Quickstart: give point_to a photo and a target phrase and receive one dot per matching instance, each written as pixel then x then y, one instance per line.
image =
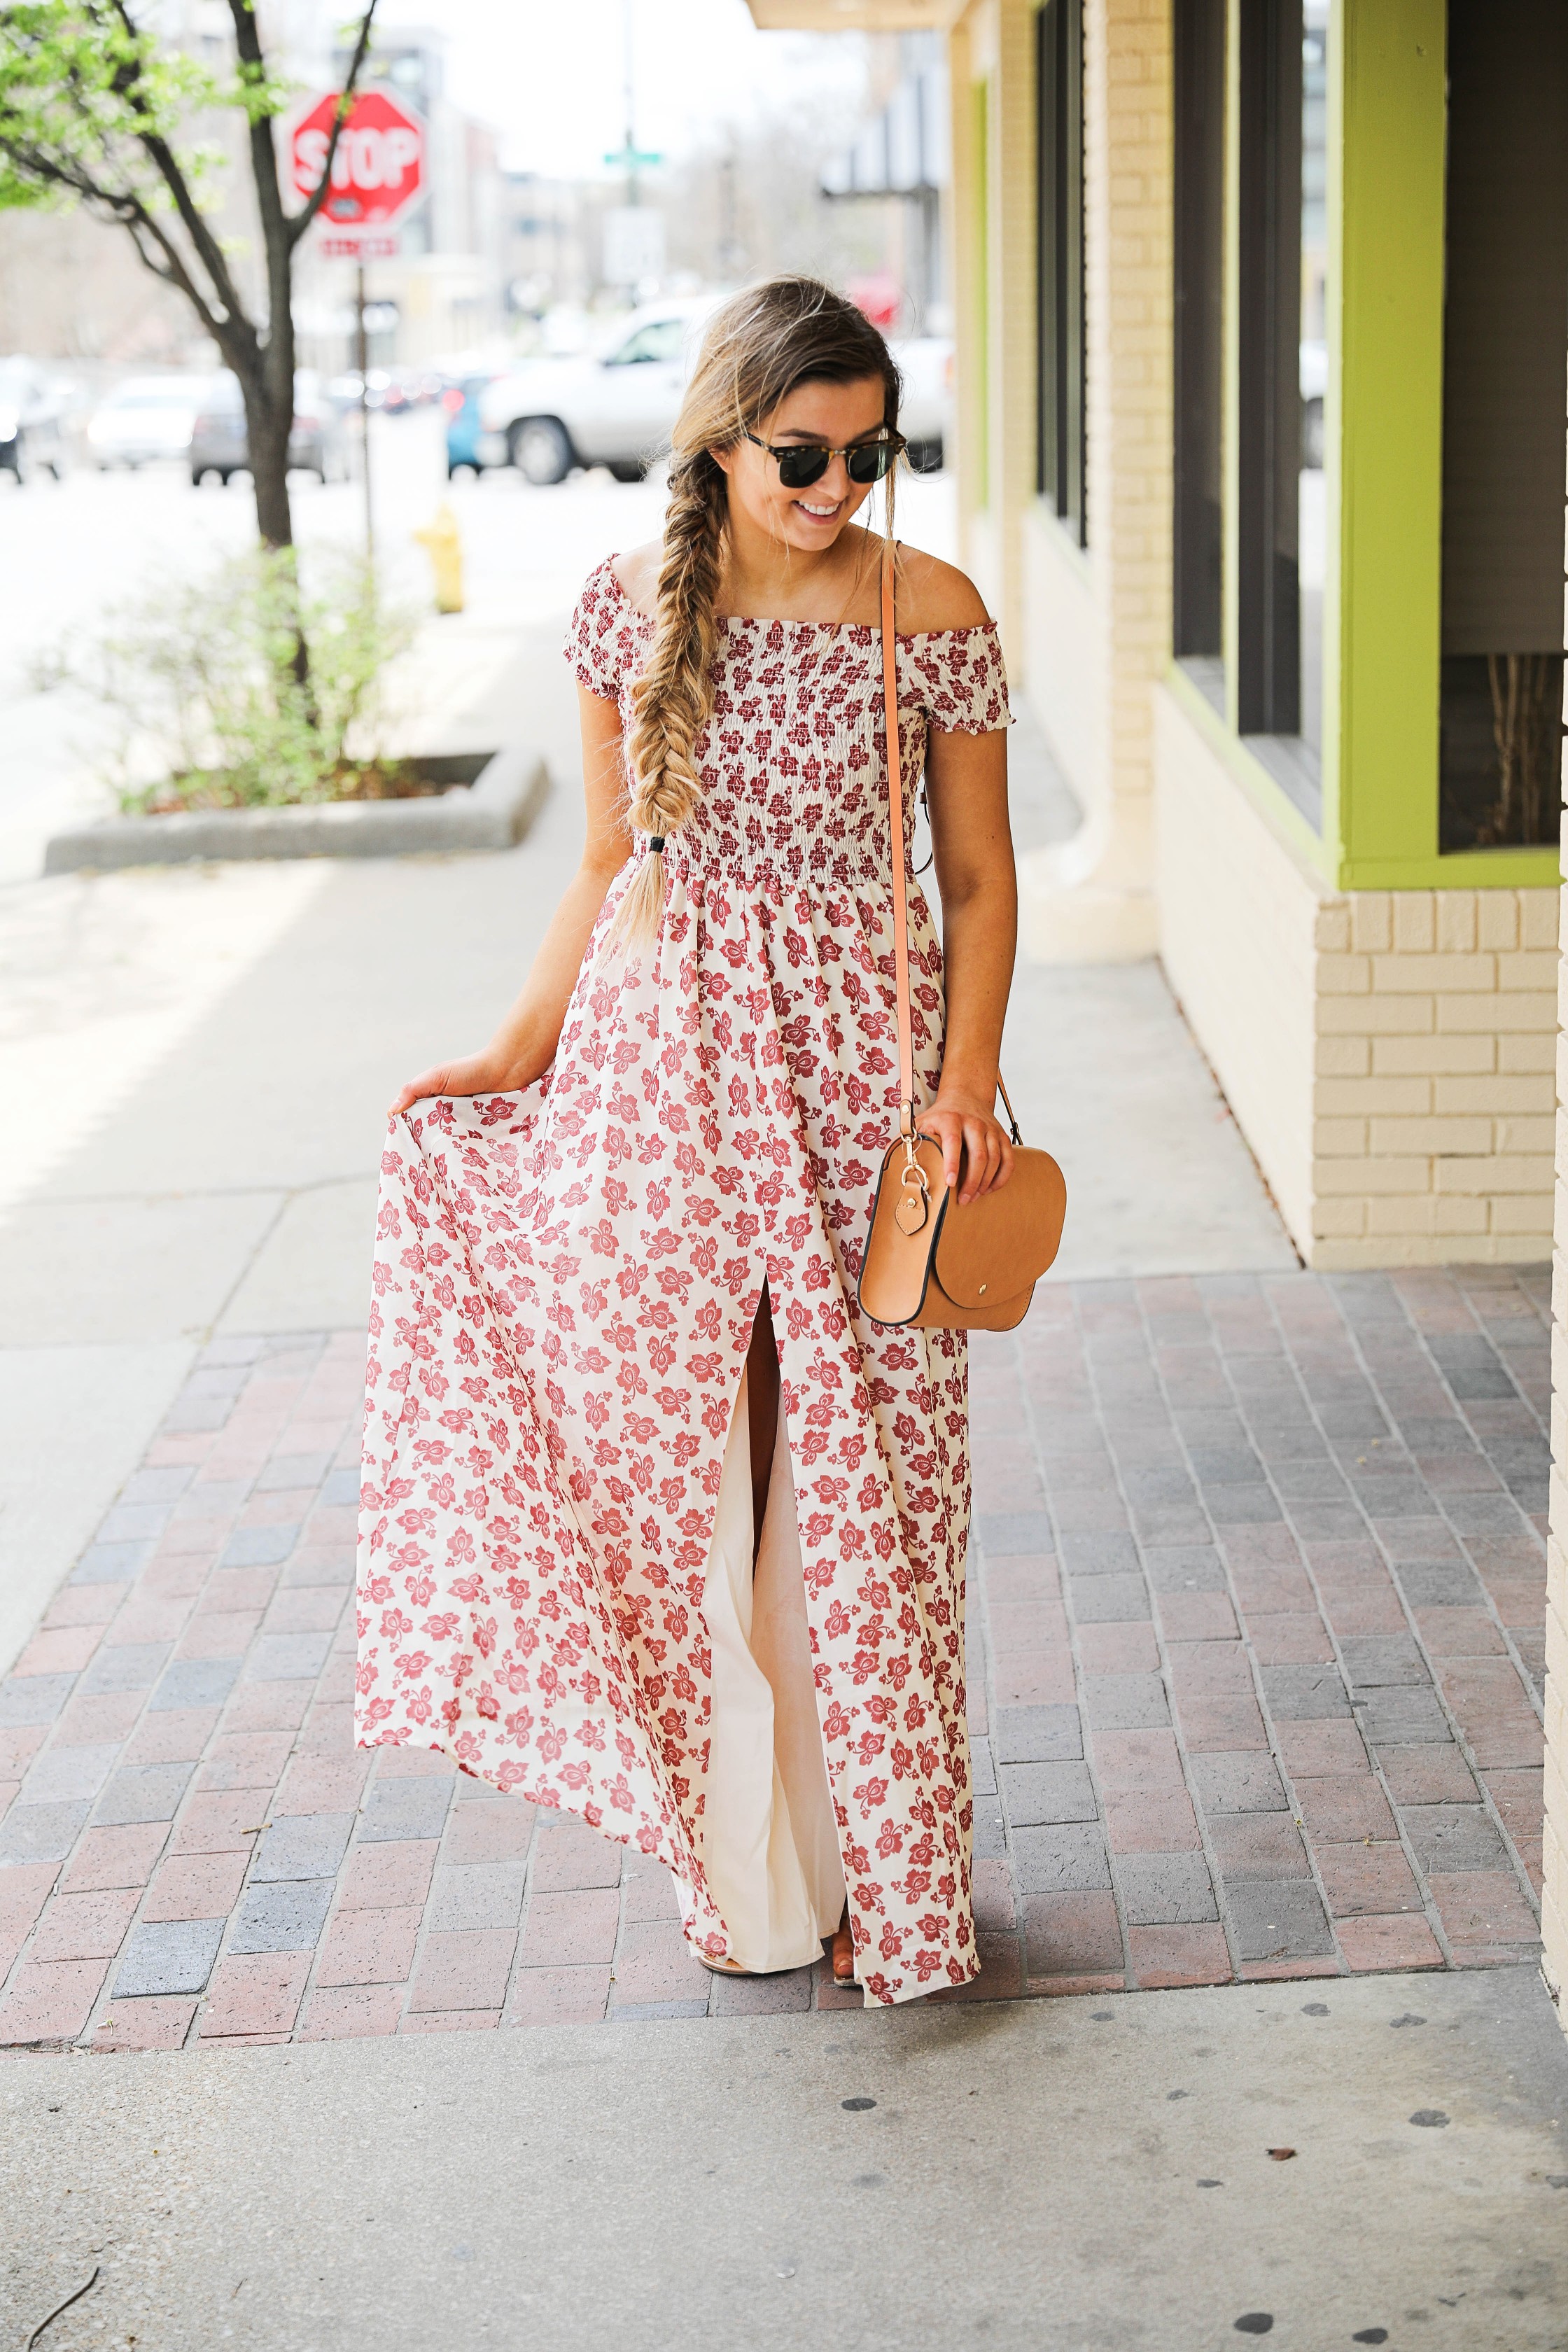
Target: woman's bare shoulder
pixel 935 595
pixel 638 573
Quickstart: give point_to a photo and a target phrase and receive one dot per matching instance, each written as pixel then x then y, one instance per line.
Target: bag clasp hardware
pixel 914 1200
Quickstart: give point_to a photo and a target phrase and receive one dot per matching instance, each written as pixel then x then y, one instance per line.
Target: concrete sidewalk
pixel 1378 2162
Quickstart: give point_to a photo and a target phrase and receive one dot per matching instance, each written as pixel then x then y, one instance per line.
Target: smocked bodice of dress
pixel 793 758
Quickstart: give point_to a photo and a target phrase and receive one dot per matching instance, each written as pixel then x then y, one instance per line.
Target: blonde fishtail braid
pixel 671 699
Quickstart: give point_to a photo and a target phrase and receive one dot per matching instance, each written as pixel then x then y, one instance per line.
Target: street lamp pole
pixel 631 148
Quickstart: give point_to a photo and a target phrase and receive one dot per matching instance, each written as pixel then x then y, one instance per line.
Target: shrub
pixel 248 687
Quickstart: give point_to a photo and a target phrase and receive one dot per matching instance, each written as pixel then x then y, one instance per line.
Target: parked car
pixel 404 389
pixel 925 415
pixel 616 408
pixel 32 421
pixel 145 418
pixel 469 444
pixel 613 408
pixel 220 443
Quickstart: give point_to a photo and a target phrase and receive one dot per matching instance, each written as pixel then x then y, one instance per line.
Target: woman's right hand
pixel 477 1074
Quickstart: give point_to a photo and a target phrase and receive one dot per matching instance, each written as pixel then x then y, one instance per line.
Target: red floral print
pixel 565 1284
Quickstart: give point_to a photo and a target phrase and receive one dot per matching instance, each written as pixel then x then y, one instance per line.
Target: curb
pixel 507 791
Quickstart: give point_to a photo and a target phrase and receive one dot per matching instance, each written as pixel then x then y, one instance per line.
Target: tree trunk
pixel 272 514
pixel 268 428
pixel 269 415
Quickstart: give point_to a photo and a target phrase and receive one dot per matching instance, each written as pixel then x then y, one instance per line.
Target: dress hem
pixel 550 1802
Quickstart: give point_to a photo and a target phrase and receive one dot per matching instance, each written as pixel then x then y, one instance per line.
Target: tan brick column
pixel 990 56
pixel 1012 306
pixel 964 208
pixel 1554 1857
pixel 1554 1834
pixel 1093 899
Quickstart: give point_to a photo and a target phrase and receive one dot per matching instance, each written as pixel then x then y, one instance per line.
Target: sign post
pixel 378 175
pixel 361 361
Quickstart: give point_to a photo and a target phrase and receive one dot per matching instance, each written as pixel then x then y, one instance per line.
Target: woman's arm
pixel 524 1045
pixel 966 784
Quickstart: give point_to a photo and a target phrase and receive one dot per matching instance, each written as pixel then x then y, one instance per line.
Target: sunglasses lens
pixel 870 462
pixel 798 468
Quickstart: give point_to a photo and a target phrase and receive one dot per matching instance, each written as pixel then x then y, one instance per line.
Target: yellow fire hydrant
pixel 443 542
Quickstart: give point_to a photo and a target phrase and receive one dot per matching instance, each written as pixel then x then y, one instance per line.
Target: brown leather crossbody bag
pixel 928 1261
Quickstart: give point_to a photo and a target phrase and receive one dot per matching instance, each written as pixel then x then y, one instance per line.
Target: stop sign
pixel 378 165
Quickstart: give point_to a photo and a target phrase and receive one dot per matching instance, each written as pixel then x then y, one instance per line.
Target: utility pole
pixel 629 89
pixel 634 235
pixel 362 343
pixel 729 255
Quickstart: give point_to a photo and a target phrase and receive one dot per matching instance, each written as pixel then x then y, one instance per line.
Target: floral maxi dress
pixel 564 1291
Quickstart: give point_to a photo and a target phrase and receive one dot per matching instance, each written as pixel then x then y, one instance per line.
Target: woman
pixel 658 1527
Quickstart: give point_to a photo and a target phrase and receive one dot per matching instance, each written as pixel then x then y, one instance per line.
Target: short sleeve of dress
pixel 595 642
pixel 964 681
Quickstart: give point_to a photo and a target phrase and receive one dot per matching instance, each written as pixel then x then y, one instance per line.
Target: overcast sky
pixel 548 73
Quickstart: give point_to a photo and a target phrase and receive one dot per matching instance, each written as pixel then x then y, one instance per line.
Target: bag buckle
pixel 914 1195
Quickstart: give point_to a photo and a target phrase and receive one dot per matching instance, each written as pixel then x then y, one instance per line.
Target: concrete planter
pixel 506 790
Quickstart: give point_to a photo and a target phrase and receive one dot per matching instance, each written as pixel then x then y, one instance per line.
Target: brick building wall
pixel 1096 631
pixel 1389 1055
pixel 1435 1092
pixel 1554 1836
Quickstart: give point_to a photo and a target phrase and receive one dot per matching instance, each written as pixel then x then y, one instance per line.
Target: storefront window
pixel 1058 90
pixel 1282 376
pixel 1505 389
pixel 1313 366
pixel 1199 65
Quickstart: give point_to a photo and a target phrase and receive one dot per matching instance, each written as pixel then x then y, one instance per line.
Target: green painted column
pixel 1392 105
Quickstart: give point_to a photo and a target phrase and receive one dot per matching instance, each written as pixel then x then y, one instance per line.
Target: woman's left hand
pixel 976 1151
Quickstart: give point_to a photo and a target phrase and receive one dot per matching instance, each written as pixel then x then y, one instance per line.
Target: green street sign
pixel 624 156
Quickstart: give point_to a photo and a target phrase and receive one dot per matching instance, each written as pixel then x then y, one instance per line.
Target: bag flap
pixel 999 1244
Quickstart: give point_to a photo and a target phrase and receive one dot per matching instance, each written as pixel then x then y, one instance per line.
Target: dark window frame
pixel 1268 392
pixel 1199 31
pixel 1060 444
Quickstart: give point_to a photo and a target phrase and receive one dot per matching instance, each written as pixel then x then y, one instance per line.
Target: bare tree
pixel 94 111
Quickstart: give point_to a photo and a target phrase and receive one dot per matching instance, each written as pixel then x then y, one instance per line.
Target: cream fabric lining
pixel 769 1842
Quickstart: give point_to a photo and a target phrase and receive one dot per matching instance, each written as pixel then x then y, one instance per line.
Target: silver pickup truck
pixel 616 407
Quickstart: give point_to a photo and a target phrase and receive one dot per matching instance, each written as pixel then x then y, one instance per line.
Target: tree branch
pixel 164 158
pixel 263 153
pixel 278 357
pixel 301 221
pixel 130 214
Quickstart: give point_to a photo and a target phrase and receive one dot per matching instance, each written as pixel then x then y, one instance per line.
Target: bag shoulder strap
pixel 901 884
pixel 896 839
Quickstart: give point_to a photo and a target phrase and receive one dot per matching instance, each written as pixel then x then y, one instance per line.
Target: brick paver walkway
pixel 1256 1654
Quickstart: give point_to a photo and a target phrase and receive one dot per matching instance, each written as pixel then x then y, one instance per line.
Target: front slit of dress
pixel 769 1842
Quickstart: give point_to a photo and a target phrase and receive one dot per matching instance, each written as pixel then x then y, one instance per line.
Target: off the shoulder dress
pixel 556 1555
